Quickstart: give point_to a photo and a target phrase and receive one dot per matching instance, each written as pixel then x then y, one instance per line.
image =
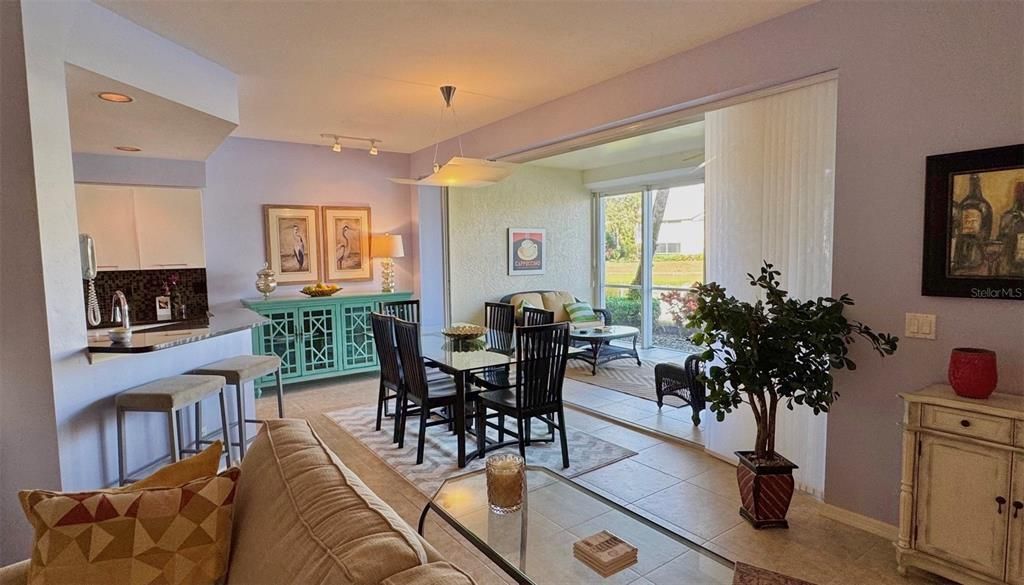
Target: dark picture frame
pixel 951 268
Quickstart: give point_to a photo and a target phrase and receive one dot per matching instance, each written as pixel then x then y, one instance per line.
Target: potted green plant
pixel 775 352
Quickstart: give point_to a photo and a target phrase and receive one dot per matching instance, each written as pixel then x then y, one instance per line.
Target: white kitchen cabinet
pixel 962 490
pixel 169 224
pixel 137 227
pixel 107 213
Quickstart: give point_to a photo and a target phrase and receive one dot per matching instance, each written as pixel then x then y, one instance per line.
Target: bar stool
pixel 241 369
pixel 170 396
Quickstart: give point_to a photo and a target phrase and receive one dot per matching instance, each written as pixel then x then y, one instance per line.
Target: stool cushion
pixel 243 368
pixel 170 393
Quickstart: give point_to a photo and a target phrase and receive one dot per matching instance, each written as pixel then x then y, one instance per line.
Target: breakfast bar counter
pixel 221 320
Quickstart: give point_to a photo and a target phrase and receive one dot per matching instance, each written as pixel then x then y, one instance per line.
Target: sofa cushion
pixel 533 298
pixel 555 302
pixel 436 573
pixel 178 535
pixel 306 518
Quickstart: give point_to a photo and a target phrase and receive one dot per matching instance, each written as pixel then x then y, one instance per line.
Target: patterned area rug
pixel 622 375
pixel 586 452
pixel 750 575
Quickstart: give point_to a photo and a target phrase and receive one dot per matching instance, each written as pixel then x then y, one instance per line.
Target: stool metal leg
pixel 172 435
pixel 181 432
pixel 280 394
pixel 225 428
pixel 199 426
pixel 122 463
pixel 240 396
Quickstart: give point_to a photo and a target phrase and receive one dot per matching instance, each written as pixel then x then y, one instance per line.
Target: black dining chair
pixel 533 316
pixel 500 317
pixel 404 310
pixel 390 370
pixel 426 394
pixel 541 355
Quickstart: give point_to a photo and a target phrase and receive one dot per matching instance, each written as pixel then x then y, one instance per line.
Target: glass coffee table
pixel 534 545
pixel 601 350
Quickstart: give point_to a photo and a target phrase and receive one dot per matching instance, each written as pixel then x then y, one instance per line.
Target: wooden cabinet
pixel 107 214
pixel 962 492
pixel 318 337
pixel 169 223
pixel 142 227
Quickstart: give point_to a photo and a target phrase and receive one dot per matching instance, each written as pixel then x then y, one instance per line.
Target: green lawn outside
pixel 680 273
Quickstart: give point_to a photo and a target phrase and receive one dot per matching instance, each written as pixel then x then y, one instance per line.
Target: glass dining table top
pixel 494 348
pixel 534 545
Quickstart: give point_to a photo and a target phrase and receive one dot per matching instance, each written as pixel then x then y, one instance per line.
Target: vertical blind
pixel 770 190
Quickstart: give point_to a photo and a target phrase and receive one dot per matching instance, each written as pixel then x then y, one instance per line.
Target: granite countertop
pixel 221 320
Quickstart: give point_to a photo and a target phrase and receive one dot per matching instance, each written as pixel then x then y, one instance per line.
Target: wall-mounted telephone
pixel 87 247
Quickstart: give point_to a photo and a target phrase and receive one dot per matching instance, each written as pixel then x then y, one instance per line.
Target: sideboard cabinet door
pixel 358 350
pixel 1015 564
pixel 319 345
pixel 958 515
pixel 280 337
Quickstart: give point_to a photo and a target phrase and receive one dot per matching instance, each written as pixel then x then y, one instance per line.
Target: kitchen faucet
pixel 119 310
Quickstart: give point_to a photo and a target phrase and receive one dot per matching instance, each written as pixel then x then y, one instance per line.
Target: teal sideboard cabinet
pixel 318 337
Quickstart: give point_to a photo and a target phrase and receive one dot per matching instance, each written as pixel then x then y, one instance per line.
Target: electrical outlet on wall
pixel 920 326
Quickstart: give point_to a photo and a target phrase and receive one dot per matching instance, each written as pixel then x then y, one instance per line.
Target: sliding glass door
pixel 652 242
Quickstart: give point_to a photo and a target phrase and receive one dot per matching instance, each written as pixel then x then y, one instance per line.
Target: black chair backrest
pixel 500 317
pixel 533 316
pixel 692 367
pixel 404 310
pixel 387 355
pixel 411 357
pixel 541 354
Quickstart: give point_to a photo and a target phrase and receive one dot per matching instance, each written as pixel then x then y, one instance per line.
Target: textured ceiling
pixel 372 68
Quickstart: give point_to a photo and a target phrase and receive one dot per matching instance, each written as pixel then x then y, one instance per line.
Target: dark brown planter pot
pixel 765 490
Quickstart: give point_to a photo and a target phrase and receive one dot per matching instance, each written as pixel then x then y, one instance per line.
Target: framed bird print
pixel 346 243
pixel 292 239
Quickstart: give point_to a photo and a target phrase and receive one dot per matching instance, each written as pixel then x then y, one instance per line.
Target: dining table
pixel 461 359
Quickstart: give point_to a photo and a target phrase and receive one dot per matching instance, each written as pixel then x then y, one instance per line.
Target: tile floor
pixel 674 484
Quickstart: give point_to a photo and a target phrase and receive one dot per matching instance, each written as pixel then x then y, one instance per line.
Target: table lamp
pixel 388 247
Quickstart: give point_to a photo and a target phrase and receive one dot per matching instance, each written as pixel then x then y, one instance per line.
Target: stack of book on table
pixel 605 553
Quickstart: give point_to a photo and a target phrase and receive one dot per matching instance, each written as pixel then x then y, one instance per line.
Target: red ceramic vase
pixel 972 372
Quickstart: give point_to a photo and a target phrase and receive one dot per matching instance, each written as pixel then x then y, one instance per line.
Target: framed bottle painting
pixel 974 224
pixel 527 251
pixel 292 239
pixel 347 244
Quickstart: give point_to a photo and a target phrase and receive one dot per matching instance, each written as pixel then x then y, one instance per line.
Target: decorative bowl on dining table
pixel 463 332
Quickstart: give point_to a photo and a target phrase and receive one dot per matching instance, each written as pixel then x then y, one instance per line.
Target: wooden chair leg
pixel 529 429
pixel 481 428
pixel 225 427
pixel 565 441
pixel 381 394
pixel 501 428
pixel 172 435
pixel 404 416
pixel 122 463
pixel 424 415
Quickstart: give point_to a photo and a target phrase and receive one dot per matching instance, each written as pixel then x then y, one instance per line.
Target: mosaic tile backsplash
pixel 141 287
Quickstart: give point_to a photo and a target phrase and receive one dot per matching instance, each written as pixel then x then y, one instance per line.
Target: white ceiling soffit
pixel 680 139
pixel 669 169
pixel 373 68
pixel 160 127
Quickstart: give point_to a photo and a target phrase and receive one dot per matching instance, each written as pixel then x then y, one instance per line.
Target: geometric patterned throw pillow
pixel 173 536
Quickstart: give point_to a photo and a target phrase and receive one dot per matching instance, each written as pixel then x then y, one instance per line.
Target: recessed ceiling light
pixel 117 98
pixel 128 148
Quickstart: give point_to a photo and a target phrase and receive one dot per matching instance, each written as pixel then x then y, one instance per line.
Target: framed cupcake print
pixel 292 240
pixel 347 243
pixel 527 251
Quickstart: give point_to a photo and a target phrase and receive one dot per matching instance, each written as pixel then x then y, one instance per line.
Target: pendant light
pixel 460 171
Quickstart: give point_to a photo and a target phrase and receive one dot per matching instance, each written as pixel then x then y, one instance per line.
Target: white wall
pixel 533 197
pixel 91 37
pixel 244 174
pixel 131 170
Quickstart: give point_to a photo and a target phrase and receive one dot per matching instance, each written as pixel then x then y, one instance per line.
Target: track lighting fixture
pixel 337 138
pixel 373 148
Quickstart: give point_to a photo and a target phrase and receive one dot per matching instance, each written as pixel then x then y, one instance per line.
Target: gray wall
pixel 915 78
pixel 244 174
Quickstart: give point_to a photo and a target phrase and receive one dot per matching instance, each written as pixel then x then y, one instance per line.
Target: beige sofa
pixel 555 301
pixel 301 516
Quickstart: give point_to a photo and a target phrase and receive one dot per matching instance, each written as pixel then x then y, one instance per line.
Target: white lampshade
pixel 387 246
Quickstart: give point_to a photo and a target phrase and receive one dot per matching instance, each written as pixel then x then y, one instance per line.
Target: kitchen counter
pixel 222 320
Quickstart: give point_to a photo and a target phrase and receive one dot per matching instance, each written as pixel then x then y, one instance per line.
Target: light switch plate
pixel 920 326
